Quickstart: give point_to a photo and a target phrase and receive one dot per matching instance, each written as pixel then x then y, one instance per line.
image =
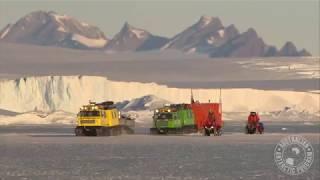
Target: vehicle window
pixel 89 113
pixel 165 116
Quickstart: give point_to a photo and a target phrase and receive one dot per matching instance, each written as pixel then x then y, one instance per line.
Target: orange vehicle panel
pixel 201 111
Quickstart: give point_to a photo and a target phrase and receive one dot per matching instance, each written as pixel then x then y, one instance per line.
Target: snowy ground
pixel 40 118
pixel 52 152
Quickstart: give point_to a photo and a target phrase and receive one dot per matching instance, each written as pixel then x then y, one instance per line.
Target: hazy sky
pixel 276 21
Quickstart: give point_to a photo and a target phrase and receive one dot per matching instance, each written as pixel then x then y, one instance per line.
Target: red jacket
pixel 253 119
pixel 210 121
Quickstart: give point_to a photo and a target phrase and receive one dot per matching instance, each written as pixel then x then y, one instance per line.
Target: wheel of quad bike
pixel 250 131
pixel 261 128
pixel 217 132
pixel 79 131
pixel 207 132
pixel 261 131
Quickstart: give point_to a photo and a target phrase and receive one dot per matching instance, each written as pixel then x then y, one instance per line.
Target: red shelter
pixel 201 111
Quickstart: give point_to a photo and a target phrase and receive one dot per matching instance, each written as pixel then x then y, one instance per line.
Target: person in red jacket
pixel 210 121
pixel 254 124
pixel 253 119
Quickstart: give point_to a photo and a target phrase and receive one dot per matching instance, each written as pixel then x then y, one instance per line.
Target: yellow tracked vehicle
pixel 102 119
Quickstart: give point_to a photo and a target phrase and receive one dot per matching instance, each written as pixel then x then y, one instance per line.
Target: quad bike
pixel 208 130
pixel 254 128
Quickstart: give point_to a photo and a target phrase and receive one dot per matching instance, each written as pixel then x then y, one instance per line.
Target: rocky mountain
pixel 289 49
pixel 153 42
pixel 304 52
pixel 247 44
pixel 52 29
pixel 131 39
pixel 204 36
pixel 208 35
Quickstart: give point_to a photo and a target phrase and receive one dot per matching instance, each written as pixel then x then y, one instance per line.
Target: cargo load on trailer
pixel 102 119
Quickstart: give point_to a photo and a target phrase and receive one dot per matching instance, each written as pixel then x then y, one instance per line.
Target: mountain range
pixel 208 36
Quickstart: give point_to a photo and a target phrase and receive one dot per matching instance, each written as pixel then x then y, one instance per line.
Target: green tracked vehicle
pixel 173 119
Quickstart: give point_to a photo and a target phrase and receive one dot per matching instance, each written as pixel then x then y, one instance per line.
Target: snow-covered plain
pixel 38 152
pixel 37 117
pixel 309 68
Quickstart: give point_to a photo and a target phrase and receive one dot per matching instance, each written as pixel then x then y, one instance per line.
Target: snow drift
pixel 38 117
pixel 68 93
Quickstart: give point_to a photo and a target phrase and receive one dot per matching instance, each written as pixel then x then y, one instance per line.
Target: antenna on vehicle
pixel 220 101
pixel 192 99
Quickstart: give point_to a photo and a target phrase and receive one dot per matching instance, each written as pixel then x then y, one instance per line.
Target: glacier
pixel 69 93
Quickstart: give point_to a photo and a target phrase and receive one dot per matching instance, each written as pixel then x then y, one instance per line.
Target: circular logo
pixel 293 155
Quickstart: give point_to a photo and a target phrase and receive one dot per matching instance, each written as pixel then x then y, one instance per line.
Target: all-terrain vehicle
pixel 254 128
pixel 173 119
pixel 102 119
pixel 253 124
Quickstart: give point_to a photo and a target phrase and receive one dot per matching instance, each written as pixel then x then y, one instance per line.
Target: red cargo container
pixel 201 111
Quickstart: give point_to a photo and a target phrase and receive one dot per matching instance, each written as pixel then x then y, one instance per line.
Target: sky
pixel 276 21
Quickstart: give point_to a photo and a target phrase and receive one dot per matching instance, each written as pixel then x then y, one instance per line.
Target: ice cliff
pixel 68 93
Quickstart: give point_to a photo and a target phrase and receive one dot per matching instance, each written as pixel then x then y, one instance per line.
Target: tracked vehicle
pixel 173 119
pixel 102 119
pixel 188 118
